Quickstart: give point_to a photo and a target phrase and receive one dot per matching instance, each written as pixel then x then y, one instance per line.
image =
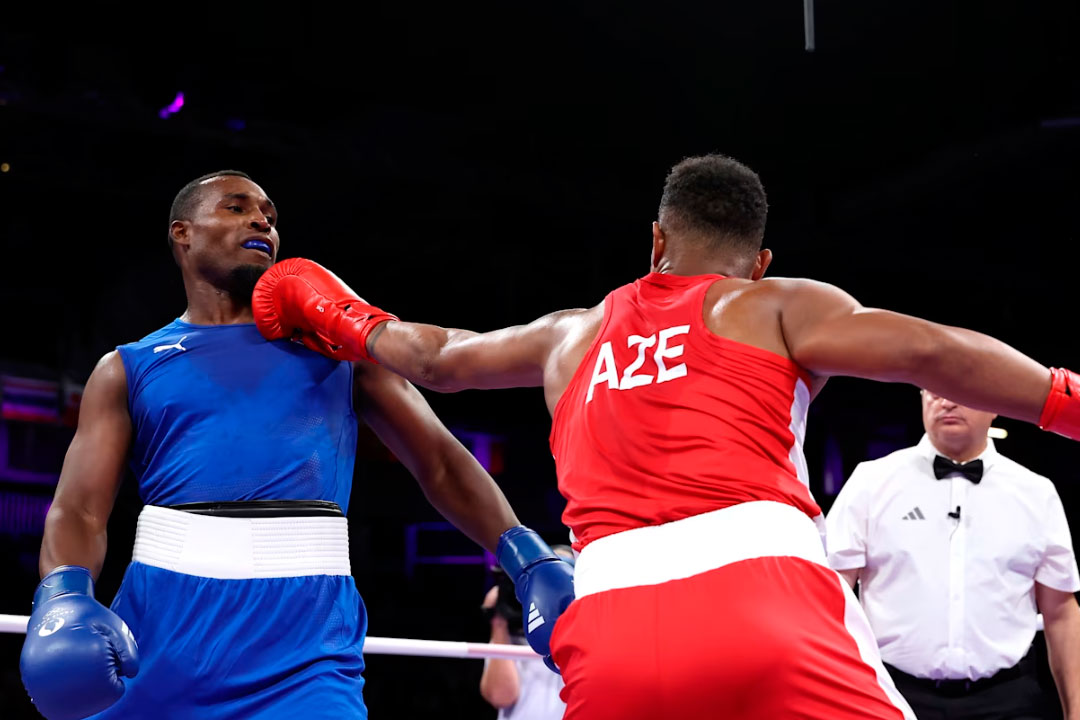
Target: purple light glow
pixel 480 444
pixel 1062 122
pixel 23 514
pixel 173 107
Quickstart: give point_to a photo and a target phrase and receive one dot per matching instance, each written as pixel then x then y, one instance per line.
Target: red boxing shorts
pixel 731 614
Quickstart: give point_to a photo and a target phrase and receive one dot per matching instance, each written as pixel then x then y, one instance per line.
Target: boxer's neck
pixel 208 305
pixel 693 261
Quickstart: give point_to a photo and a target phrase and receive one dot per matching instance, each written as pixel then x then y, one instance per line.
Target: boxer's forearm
pixel 448 474
pixel 72 538
pixel 463 493
pixel 449 359
pixel 422 354
pixel 982 372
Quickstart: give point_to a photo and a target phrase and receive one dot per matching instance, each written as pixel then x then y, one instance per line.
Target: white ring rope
pixel 379 645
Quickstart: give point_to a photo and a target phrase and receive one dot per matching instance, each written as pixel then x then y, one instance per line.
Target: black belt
pixel 263 508
pixel 952 688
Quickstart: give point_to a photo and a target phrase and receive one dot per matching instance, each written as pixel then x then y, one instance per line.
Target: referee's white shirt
pixel 950 598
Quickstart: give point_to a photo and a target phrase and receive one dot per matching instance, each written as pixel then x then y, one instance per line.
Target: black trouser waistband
pixel 263 508
pixel 962 687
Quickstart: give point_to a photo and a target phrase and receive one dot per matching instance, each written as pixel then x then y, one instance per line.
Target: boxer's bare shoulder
pixel 761 312
pixel 576 330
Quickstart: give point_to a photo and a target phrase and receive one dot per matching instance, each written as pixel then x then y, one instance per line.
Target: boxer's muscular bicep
pixel 92 471
pixel 829 333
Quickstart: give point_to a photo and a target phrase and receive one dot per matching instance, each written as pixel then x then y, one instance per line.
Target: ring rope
pixel 380 645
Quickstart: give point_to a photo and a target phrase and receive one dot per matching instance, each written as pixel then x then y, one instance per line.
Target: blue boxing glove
pixel 544 584
pixel 76 649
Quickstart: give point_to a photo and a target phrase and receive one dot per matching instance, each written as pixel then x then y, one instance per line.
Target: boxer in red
pixel 678 414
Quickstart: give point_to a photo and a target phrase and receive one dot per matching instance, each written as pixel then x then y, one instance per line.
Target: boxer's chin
pixel 240 283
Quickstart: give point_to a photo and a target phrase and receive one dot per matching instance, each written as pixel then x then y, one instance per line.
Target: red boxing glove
pixel 1061 413
pixel 301 299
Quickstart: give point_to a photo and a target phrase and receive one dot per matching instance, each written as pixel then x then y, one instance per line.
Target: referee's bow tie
pixel 973 470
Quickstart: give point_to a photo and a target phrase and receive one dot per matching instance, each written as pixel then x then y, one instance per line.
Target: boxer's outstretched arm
pixel 829 333
pixel 93 468
pixel 300 299
pixel 451 478
pixel 448 360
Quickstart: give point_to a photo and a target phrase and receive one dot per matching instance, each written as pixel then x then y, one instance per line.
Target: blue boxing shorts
pixel 242 617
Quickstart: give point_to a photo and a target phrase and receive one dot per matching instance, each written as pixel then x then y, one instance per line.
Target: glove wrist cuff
pixel 365 323
pixel 64 580
pixel 519 548
pixel 1061 412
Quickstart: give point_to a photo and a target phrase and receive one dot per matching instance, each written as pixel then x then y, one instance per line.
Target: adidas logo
pixel 535 618
pixel 915 514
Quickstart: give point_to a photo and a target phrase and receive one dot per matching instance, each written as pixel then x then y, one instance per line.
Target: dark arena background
pixel 480 166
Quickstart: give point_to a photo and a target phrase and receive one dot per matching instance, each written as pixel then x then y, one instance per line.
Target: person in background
pixel 956 548
pixel 518 689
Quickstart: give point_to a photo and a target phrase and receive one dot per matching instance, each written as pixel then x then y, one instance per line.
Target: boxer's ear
pixel 659 244
pixel 180 234
pixel 761 264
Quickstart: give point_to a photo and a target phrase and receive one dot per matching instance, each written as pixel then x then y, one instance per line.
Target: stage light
pixel 173 107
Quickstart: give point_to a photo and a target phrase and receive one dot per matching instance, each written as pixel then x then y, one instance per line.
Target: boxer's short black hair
pixel 717 199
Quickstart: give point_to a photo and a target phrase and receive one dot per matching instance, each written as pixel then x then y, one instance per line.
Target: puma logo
pixel 177 346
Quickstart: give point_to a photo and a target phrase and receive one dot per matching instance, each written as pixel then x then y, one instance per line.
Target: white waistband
pixel 241 548
pixel 683 548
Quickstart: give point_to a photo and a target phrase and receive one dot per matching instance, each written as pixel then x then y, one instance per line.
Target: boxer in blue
pixel 239 600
